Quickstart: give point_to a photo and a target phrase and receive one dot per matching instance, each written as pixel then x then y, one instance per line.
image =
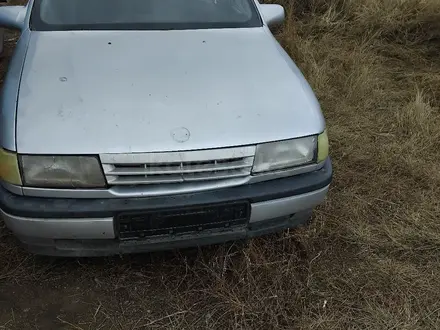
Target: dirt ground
pixel 371 258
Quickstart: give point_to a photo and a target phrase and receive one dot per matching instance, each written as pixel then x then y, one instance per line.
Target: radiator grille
pixel 178 167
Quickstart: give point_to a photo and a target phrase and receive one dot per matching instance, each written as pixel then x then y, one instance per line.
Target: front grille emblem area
pixel 180 134
pixel 177 168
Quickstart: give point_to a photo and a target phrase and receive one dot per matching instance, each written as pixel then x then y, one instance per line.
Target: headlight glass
pixel 285 154
pixel 9 171
pixel 62 172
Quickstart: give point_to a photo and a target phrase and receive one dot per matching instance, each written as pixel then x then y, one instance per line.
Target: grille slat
pixel 181 168
pixel 155 179
pixel 191 167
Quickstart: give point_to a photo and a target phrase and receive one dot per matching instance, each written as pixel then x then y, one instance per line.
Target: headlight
pixel 62 172
pixel 285 154
pixel 9 171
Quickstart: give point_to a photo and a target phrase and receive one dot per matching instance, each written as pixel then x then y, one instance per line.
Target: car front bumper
pixel 86 227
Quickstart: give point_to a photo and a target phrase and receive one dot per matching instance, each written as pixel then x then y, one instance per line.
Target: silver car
pixel 137 125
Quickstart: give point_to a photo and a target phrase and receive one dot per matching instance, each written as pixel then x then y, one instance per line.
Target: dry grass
pixel 371 258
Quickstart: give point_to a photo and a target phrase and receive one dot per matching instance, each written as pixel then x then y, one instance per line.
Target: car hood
pixel 92 92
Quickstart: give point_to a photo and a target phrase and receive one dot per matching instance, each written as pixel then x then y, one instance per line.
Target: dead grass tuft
pixel 418 118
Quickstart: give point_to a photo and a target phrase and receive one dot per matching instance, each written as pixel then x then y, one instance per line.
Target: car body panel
pixel 94 92
pixel 10 92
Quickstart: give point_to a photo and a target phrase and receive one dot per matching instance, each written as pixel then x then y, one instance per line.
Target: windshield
pixel 143 14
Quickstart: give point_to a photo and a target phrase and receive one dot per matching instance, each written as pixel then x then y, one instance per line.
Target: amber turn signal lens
pixel 323 146
pixel 9 171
